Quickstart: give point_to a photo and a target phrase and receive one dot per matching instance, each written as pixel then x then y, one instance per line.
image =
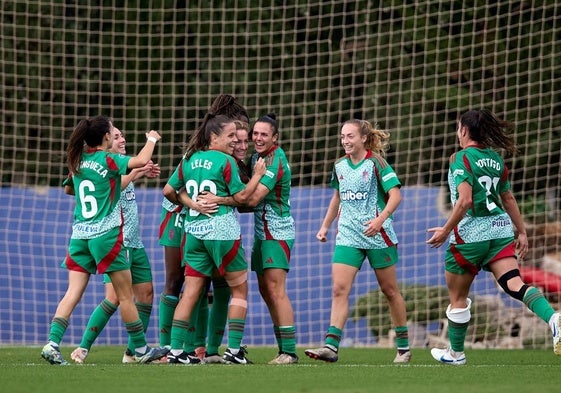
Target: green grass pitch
pixel 358 370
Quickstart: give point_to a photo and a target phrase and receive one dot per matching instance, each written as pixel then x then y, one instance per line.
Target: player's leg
pixel 272 275
pixel 198 268
pixel 118 270
pixel 384 261
pixel 181 325
pixel 237 312
pixel 97 322
pixel 171 237
pixel 343 275
pixel 169 298
pixel 77 283
pixel 80 264
pixel 228 256
pixel 143 290
pixel 507 274
pixel 218 318
pixel 196 336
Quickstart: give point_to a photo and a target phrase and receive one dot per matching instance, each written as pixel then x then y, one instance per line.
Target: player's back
pixel 212 171
pixel 489 178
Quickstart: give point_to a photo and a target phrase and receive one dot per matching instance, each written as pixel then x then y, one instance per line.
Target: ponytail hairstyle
pixel 377 140
pixel 89 132
pixel 201 139
pixel 227 105
pixel 486 128
pixel 270 119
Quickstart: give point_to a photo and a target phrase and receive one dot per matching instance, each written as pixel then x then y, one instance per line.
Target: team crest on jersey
pixel 365 176
pixel 130 195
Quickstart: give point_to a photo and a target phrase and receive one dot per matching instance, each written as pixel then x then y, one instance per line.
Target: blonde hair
pixel 377 140
pixel 241 125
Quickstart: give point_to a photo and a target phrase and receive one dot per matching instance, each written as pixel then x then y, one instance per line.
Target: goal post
pixel 411 67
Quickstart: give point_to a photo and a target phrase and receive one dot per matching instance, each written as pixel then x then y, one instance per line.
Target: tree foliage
pixel 412 67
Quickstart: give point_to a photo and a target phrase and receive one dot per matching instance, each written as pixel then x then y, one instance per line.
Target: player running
pixel 480 230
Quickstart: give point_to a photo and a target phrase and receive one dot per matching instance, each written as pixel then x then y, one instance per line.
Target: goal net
pixel 412 67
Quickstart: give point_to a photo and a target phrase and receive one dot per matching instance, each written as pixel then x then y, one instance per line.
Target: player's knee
pixel 237 280
pixel 503 282
pixel 236 301
pixel 459 315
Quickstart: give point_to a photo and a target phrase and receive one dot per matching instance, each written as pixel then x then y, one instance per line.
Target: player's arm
pixel 394 199
pixel 68 184
pixel 201 206
pixel 149 170
pixel 144 155
pixel 183 199
pixel 253 188
pixel 330 216
pixel 511 207
pixel 250 196
pixel 463 203
pixel 210 198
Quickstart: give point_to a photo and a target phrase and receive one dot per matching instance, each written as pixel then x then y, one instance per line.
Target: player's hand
pixel 153 134
pixel 522 245
pixel 207 203
pixel 259 169
pixel 154 171
pixel 438 238
pixel 373 226
pixel 208 198
pixel 322 235
pixel 205 207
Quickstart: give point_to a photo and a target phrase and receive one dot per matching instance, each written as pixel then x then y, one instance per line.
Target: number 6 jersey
pixel 98 191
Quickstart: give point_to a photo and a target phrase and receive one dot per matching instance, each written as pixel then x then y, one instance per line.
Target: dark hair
pixel 271 119
pixel 227 105
pixel 90 132
pixel 486 128
pixel 201 139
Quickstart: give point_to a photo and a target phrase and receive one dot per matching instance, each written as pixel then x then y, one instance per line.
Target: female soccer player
pixel 367 193
pixel 480 229
pixel 220 290
pixel 96 244
pixel 212 241
pixel 141 271
pixel 171 237
pixel 274 235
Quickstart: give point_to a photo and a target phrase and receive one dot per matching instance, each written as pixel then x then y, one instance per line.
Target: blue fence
pixel 35 227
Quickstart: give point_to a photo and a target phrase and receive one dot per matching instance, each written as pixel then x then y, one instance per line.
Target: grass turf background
pixel 358 370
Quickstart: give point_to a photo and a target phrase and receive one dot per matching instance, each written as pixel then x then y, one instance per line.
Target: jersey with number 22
pixel 485 171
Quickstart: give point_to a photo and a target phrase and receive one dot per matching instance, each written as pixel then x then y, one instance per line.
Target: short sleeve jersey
pixel 363 190
pixel 485 171
pixel 130 212
pixel 171 207
pixel 216 172
pixel 272 217
pixel 97 188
